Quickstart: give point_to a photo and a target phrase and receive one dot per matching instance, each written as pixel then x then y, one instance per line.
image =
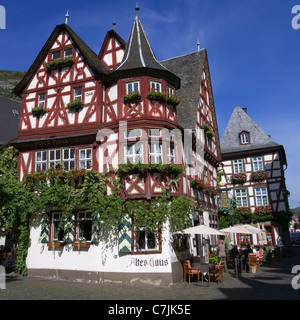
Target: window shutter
pixel 45 229
pixel 125 236
pixel 69 229
pixel 95 231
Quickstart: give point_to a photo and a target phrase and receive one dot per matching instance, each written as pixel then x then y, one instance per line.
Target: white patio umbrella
pixel 247 229
pixel 203 229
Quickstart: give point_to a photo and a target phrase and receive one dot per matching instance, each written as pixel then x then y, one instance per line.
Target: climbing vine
pixel 67 191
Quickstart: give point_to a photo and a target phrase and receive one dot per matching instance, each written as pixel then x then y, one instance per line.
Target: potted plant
pixel 39 111
pixel 214 259
pixel 253 266
pixel 75 105
pixel 133 97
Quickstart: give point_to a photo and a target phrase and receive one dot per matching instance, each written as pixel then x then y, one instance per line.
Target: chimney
pixel 245 109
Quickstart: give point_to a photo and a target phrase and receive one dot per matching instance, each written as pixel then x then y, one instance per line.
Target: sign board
pixel 224 201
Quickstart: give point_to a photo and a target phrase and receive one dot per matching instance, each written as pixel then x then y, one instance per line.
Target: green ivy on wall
pixel 68 191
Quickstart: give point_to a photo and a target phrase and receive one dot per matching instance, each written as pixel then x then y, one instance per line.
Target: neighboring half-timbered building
pixel 95 112
pixel 253 167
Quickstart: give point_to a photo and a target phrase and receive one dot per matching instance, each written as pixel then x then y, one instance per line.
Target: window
pixel 54 157
pixel 134 152
pixel 245 138
pixel 133 86
pixel 135 133
pixel 171 153
pixel 170 91
pixel 155 152
pixel 145 240
pixel 155 86
pixel 84 226
pixel 85 159
pixel 258 163
pixel 77 93
pixel 241 196
pixel 69 52
pixel 205 175
pixel 40 161
pixel 261 196
pixel 69 158
pixel 42 99
pixel 56 55
pixel 154 133
pixel 238 166
pixel 55 235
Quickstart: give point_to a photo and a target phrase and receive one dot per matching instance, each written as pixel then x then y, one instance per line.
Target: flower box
pixel 243 214
pixel 39 111
pixel 210 134
pixel 75 105
pixel 173 101
pixel 259 175
pixel 134 97
pixel 157 96
pixel 166 169
pixel 59 64
pixel 205 127
pixel 238 178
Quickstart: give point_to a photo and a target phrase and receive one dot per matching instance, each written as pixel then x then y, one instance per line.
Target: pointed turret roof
pixel 241 122
pixel 139 58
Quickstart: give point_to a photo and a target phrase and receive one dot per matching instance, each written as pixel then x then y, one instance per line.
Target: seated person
pixel 234 252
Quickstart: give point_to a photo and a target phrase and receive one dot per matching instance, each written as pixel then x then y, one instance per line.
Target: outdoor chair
pixel 189 271
pixel 217 271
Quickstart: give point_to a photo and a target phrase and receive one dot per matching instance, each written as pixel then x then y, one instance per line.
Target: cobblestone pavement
pixel 271 282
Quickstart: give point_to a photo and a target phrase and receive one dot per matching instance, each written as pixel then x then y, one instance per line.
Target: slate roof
pixel 139 58
pixel 239 122
pixel 189 69
pixel 8 121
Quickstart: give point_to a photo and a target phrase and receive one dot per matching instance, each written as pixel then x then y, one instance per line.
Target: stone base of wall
pixel 154 279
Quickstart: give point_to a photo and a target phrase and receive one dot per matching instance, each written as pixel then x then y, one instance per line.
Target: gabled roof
pixel 88 54
pixel 139 58
pixel 112 34
pixel 9 120
pixel 239 122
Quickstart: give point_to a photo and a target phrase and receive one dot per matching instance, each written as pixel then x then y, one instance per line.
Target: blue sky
pixel 253 51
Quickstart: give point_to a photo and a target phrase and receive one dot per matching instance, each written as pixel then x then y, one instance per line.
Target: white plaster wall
pixel 103 257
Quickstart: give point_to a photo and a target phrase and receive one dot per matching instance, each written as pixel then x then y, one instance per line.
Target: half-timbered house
pixel 253 167
pixel 95 112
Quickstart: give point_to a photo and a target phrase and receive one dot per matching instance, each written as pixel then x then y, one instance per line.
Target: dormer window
pixel 56 55
pixel 244 137
pixel 69 52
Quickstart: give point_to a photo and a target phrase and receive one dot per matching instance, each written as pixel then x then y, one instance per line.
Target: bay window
pixel 133 152
pixel 85 159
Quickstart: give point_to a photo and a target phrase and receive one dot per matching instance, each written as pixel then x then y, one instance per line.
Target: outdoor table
pixel 204 268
